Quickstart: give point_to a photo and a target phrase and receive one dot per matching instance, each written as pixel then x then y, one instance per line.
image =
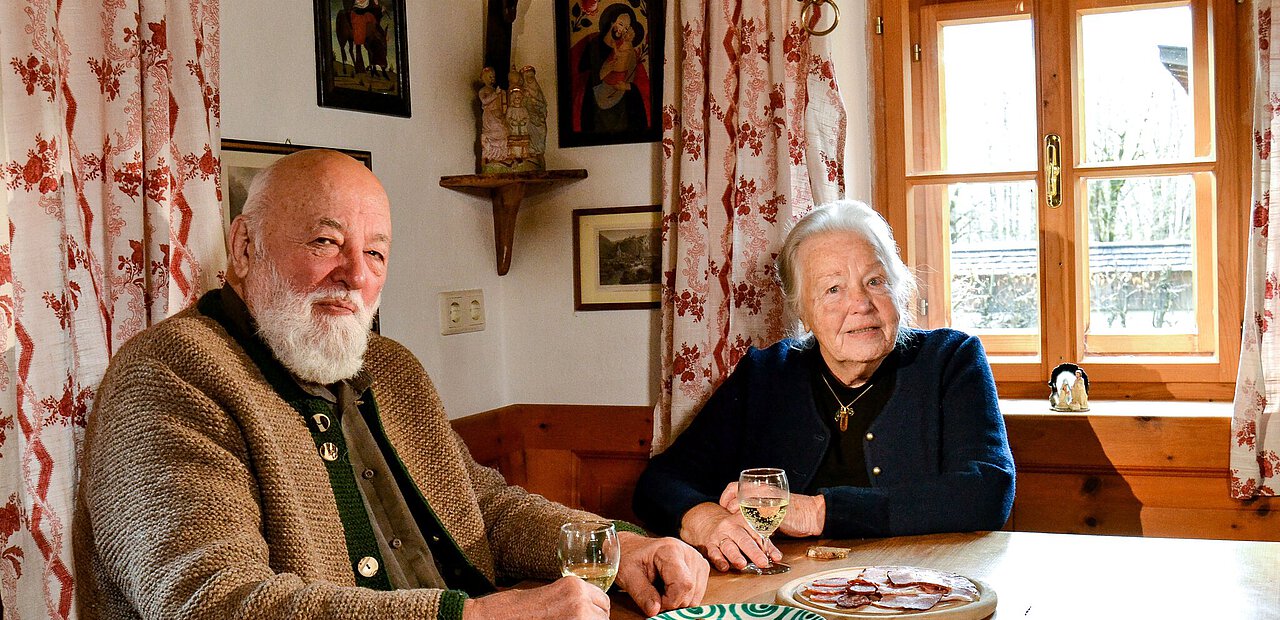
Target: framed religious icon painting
pixel 617 258
pixel 362 56
pixel 609 61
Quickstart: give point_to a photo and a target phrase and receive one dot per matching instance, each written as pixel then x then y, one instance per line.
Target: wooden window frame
pixel 1146 377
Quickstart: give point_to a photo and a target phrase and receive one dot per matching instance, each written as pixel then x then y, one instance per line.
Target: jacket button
pixel 875 471
pixel 435 539
pixel 329 451
pixel 396 543
pixel 817 436
pixel 367 474
pixel 368 566
pixel 871 436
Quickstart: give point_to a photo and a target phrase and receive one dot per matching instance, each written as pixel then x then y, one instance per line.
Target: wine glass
pixel 589 550
pixel 763 496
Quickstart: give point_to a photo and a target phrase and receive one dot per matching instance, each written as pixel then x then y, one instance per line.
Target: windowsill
pixel 1123 408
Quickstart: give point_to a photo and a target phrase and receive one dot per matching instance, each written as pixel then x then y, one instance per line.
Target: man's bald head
pixel 296 176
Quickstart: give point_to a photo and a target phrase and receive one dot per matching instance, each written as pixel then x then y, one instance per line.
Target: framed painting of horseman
pixel 362 56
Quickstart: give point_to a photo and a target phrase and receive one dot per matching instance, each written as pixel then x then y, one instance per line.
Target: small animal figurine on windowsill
pixel 1068 388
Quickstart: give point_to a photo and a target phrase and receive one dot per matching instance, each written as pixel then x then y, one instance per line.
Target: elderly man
pixel 260 455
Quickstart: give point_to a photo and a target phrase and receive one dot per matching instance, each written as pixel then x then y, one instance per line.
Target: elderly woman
pixel 883 430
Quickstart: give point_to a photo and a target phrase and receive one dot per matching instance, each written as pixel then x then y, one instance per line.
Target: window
pixel 1067 179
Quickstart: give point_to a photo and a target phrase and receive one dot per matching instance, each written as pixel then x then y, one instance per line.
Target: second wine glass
pixel 763 497
pixel 589 550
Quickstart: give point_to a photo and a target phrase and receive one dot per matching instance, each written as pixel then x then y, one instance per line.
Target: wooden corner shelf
pixel 507 190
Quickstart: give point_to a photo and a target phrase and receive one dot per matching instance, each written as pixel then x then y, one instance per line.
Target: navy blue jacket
pixel 940 444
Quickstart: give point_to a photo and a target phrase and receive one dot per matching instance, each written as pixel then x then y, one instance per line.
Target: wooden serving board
pixel 792 594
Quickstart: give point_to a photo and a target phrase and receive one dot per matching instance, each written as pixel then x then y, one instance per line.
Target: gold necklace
pixel 842 416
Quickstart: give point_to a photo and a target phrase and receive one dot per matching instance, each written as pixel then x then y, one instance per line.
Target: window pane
pixel 995 284
pixel 1135 82
pixel 1141 256
pixel 977 259
pixel 988 86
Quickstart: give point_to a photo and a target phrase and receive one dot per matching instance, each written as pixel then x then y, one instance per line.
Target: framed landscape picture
pixel 617 258
pixel 362 56
pixel 609 61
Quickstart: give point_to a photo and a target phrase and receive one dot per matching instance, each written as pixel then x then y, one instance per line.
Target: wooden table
pixel 1069 576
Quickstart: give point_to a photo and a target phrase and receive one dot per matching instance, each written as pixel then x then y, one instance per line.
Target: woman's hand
pixel 724 538
pixel 806 514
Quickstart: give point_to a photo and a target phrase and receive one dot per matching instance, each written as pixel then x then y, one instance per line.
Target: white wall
pixel 535 347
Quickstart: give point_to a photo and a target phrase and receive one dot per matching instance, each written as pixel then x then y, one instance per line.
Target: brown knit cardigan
pixel 202 495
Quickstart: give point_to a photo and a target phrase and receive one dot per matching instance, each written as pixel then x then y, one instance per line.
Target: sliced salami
pixel 853 601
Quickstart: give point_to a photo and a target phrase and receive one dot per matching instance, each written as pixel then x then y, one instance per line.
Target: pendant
pixel 843 418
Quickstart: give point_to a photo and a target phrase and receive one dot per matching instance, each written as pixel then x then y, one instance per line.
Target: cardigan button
pixel 368 566
pixel 871 437
pixel 329 451
pixel 875 471
pixel 321 421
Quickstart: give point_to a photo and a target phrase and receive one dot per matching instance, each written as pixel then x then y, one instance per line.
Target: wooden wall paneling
pixel 624 429
pixel 607 480
pixel 554 475
pixel 1139 505
pixel 1120 441
pixel 1158 475
pixel 488 442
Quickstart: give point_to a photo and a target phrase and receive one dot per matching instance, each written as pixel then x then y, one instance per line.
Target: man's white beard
pixel 318 348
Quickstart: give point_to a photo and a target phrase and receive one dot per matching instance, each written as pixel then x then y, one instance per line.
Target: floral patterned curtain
pixel 109 166
pixel 1255 426
pixel 753 136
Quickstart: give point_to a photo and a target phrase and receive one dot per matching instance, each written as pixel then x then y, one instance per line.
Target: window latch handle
pixel 1053 170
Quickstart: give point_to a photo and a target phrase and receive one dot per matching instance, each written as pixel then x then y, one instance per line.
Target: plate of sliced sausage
pixel 890 592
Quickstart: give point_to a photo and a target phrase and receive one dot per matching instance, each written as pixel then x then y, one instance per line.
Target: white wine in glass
pixel 589 550
pixel 763 496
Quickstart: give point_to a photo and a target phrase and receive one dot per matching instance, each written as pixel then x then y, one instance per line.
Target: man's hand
pixel 645 561
pixel 806 515
pixel 724 538
pixel 569 597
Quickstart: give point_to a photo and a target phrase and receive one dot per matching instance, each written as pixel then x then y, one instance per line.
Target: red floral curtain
pixel 753 136
pixel 1255 427
pixel 108 159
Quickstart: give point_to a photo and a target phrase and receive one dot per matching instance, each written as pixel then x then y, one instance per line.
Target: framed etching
pixel 617 258
pixel 362 56
pixel 609 61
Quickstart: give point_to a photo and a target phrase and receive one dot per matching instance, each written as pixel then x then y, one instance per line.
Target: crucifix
pixel 501 14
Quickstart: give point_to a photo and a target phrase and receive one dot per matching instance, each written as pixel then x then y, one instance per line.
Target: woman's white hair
pixel 855 217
